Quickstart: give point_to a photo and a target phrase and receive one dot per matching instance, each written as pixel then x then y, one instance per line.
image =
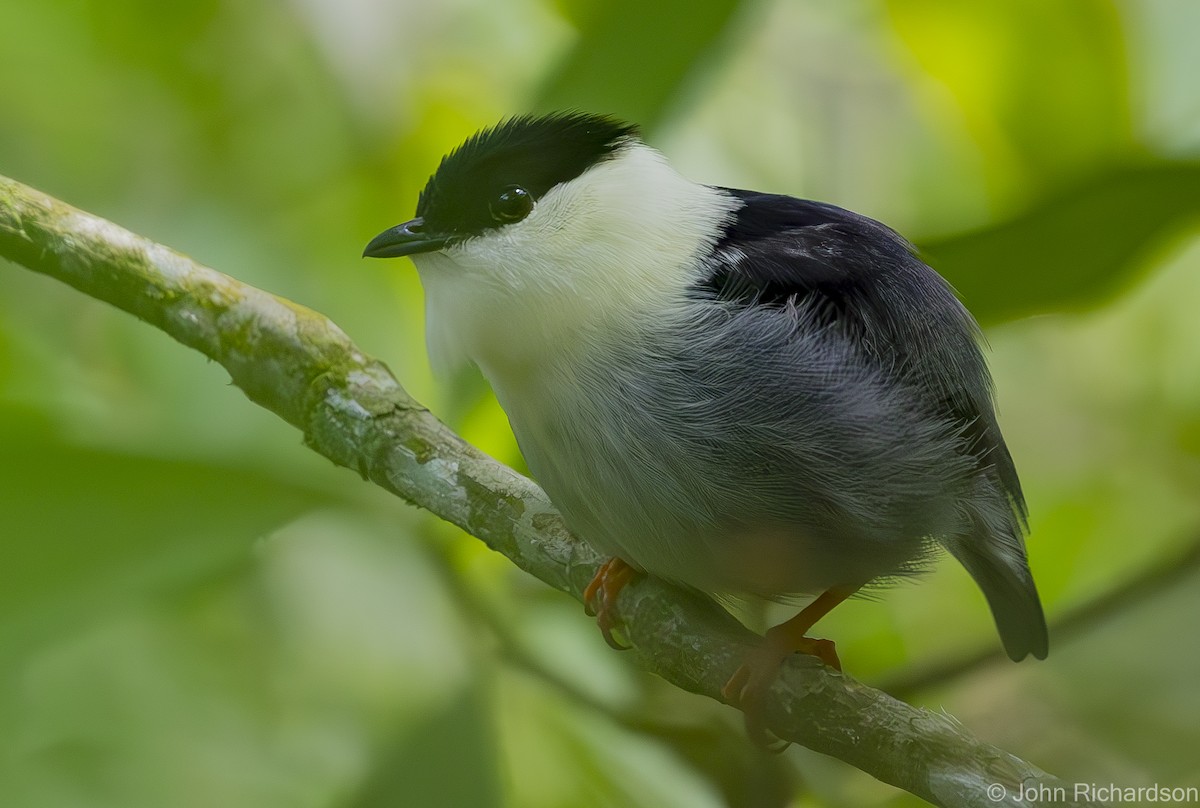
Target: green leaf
pixel 448 759
pixel 87 528
pixel 1043 86
pixel 632 58
pixel 1073 249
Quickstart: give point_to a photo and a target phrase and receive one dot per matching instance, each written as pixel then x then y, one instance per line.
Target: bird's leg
pixel 750 682
pixel 600 597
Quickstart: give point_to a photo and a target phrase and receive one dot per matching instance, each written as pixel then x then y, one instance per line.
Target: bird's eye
pixel 511 205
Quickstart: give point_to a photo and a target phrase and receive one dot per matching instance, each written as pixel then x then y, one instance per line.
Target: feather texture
pixel 864 284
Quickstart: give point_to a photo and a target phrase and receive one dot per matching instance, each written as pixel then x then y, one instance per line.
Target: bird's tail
pixel 993 552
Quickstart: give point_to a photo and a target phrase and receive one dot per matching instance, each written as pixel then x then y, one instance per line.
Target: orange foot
pixel 600 597
pixel 747 688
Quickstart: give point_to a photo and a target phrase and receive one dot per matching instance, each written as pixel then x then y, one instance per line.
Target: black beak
pixel 409 238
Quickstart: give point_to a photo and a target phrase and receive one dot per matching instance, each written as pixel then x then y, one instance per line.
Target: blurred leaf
pixel 1073 249
pixel 632 58
pixel 85 527
pixel 447 759
pixel 1044 84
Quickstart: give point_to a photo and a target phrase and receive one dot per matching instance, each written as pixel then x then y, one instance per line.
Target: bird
pixel 750 395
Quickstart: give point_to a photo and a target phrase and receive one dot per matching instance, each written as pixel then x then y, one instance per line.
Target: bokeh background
pixel 197 611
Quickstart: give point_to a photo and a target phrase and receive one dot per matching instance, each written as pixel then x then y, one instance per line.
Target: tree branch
pixel 298 364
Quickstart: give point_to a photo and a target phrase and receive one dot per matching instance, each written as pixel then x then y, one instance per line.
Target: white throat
pixel 599 257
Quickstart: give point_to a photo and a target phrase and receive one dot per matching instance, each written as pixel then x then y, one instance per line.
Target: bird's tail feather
pixel 993 552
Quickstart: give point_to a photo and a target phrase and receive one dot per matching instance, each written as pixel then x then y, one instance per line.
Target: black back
pixel 866 282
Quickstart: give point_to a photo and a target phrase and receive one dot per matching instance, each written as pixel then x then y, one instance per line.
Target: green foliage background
pixel 195 610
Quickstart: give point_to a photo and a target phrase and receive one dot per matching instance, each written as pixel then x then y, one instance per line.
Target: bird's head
pixel 561 219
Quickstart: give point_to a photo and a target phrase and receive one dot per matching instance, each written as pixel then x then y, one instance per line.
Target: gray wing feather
pixel 864 280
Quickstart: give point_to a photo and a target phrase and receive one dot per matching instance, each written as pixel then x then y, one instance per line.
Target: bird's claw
pixel 600 598
pixel 747 688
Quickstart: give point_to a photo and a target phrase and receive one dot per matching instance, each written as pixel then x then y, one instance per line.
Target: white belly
pixel 630 488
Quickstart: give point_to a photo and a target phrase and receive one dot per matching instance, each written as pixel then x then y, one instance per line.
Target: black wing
pixel 865 280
